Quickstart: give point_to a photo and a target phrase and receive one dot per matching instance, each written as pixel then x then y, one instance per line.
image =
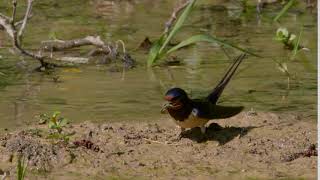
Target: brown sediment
pixel 262 145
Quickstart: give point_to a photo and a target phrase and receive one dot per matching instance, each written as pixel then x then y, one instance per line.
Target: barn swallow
pixel 191 113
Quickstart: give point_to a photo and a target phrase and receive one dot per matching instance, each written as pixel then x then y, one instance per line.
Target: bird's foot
pixel 181 134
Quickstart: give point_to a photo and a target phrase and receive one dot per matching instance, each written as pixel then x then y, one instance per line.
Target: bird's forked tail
pixel 217 91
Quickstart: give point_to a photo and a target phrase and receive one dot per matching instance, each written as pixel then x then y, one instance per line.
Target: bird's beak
pixel 165 107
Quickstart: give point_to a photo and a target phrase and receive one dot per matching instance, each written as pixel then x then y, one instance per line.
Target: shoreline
pixel 250 145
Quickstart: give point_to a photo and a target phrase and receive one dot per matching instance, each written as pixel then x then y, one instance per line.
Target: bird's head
pixel 176 98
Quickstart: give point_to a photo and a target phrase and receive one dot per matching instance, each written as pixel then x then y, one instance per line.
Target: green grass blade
pixel 21 168
pixel 178 24
pixel 154 51
pixel 207 38
pixel 284 10
pixel 296 46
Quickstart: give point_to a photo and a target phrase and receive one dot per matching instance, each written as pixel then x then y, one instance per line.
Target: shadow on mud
pixel 215 132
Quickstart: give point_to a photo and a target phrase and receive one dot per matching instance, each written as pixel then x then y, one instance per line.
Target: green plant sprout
pixel 55 122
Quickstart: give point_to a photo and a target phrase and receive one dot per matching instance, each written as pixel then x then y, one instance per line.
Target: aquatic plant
pixel 292 43
pixel 159 48
pixel 284 10
pixel 287 38
pixel 244 4
pixel 21 168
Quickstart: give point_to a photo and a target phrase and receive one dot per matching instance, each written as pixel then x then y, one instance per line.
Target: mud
pixel 248 146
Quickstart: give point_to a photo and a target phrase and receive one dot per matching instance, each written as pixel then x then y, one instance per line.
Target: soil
pixel 248 146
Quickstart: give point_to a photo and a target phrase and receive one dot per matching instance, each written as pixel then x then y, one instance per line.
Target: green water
pixel 91 92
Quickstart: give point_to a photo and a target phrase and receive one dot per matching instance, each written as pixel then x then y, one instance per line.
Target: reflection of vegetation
pixel 159 48
pixel 8 74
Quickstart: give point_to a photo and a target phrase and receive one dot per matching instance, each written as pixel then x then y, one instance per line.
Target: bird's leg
pixel 182 130
pixel 203 129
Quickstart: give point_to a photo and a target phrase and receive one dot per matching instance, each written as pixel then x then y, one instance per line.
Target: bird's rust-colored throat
pixel 169 98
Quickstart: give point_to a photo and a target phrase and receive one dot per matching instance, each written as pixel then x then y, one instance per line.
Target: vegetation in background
pixel 8 74
pixel 288 39
pixel 159 48
pixel 284 10
pixel 291 42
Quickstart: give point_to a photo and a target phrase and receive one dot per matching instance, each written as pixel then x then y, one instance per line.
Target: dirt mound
pixel 262 145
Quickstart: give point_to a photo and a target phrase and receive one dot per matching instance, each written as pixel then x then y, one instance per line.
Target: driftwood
pixel 12 29
pixel 15 30
pixel 58 45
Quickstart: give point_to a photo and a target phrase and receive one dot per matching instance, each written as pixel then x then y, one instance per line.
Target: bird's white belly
pixel 192 122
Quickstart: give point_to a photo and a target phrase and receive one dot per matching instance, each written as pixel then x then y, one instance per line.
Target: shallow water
pixel 93 93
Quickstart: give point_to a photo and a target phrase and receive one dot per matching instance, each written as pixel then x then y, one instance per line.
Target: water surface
pixel 91 92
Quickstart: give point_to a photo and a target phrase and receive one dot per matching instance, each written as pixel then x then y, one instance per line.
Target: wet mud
pixel 247 146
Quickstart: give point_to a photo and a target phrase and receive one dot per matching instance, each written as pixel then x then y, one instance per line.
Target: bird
pixel 191 113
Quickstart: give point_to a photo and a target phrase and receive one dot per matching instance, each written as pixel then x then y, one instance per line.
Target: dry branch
pixel 25 19
pixel 15 30
pixel 11 29
pixel 173 16
pixel 58 45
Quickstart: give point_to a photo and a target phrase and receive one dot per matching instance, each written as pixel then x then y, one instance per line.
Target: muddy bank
pixel 250 145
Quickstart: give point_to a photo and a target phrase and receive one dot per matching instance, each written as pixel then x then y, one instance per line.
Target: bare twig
pixel 164 143
pixel 25 19
pixel 58 45
pixel 10 25
pixel 174 16
pixel 5 23
pixel 14 10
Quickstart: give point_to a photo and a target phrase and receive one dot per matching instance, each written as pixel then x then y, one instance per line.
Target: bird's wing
pixel 221 112
pixel 207 110
pixel 216 92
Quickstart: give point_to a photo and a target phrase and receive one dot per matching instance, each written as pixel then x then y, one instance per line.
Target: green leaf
pixel 284 10
pixel 55 114
pixel 154 51
pixel 52 125
pixel 21 168
pixel 296 46
pixel 178 24
pixel 207 38
pixel 63 122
